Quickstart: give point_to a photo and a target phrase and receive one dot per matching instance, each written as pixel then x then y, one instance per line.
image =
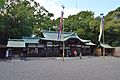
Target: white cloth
pixel 7 53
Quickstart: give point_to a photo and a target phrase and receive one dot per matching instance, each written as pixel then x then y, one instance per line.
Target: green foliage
pixel 19 18
pixel 80 23
pixel 2 2
pixel 25 17
pixel 112 27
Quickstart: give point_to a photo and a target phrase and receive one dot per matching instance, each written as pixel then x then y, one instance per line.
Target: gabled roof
pixel 105 45
pixel 53 36
pixel 16 43
pixel 31 39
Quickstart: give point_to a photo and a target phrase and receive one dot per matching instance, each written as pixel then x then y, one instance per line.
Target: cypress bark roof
pixel 53 36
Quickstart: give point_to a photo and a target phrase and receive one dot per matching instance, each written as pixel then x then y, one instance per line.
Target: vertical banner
pixel 101 28
pixel 61 24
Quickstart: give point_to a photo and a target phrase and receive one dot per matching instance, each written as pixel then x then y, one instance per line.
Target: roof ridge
pixel 57 32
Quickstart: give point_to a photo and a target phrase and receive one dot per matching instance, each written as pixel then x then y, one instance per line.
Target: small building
pixel 16 47
pixel 108 50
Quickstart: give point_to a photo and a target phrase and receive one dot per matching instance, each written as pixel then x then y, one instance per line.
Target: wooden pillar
pixel 59 47
pixel 36 48
pixel 81 49
pixel 70 50
pixel 53 48
pixel 84 49
pixel 75 48
pixel 45 48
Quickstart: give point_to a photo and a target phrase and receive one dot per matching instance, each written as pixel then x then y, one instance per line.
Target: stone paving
pixel 88 68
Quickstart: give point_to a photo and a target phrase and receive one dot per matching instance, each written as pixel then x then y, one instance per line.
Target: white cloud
pixel 54 7
pixel 70 12
pixel 40 1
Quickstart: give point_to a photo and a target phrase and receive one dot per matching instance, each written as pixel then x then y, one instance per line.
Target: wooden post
pixel 63 36
pixel 63 50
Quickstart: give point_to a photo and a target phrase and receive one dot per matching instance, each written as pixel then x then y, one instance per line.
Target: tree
pixel 80 23
pixel 19 18
pixel 95 29
pixel 112 27
pixel 2 2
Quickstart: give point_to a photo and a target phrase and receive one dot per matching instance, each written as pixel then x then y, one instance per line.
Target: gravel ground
pixel 88 68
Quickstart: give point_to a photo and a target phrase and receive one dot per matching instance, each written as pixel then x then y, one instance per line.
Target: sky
pixel 74 6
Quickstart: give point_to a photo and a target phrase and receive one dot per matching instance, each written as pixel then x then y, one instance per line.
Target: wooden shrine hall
pixel 51 46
